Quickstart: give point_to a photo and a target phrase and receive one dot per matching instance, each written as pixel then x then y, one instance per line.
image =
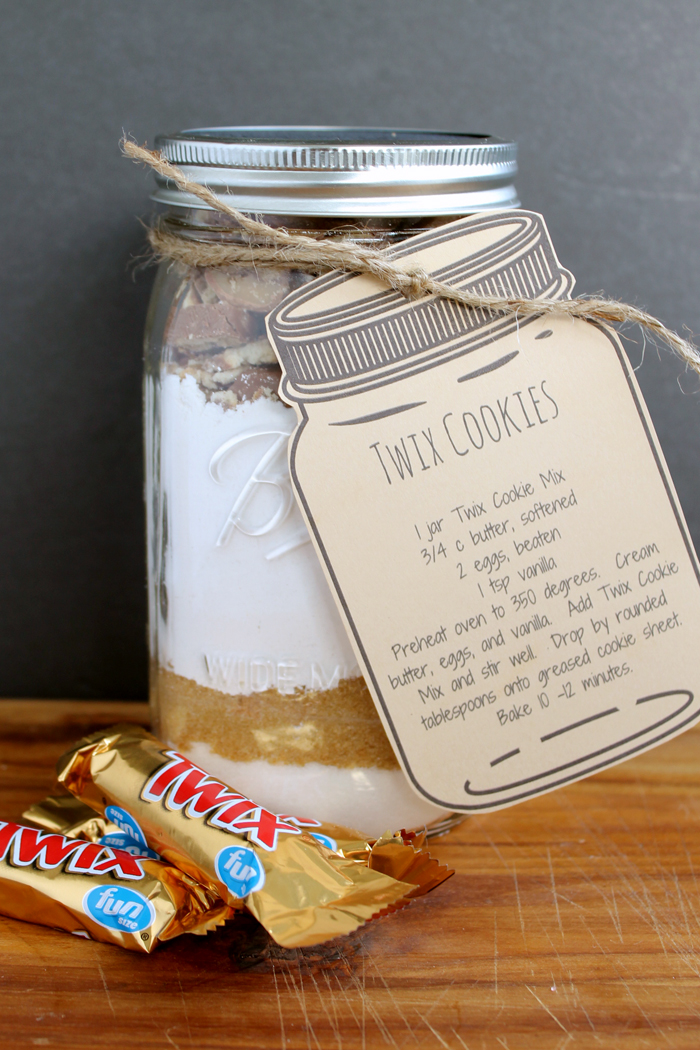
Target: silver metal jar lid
pixel 328 171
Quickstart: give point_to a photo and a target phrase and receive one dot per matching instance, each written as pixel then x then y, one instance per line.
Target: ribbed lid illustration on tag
pixel 341 333
pixel 493 513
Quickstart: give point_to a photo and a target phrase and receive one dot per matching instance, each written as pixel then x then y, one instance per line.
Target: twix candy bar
pixel 98 892
pixel 70 817
pixel 402 854
pixel 302 892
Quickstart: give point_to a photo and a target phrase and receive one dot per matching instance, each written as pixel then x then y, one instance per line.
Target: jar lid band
pixel 344 172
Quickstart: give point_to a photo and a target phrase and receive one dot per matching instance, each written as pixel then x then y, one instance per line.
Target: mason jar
pixel 252 673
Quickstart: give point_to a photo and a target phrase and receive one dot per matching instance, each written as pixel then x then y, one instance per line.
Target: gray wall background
pixel 603 97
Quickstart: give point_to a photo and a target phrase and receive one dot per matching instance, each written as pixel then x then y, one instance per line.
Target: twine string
pixel 278 247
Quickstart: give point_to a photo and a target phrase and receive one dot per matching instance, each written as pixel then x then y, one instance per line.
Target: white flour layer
pixel 245 613
pixel 371 800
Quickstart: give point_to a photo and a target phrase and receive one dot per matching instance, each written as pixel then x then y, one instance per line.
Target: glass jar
pixel 252 673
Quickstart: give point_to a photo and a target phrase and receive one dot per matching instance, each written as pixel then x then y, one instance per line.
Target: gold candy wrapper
pixel 101 893
pixel 402 855
pixel 68 816
pixel 302 892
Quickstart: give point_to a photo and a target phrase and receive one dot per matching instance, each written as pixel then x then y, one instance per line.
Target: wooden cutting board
pixel 572 921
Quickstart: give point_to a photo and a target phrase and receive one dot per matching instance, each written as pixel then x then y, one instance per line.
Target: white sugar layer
pixel 371 800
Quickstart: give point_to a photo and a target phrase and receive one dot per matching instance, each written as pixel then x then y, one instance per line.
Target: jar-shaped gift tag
pixel 495 516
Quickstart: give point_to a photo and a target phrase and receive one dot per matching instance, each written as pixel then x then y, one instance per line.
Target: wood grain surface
pixel 572 922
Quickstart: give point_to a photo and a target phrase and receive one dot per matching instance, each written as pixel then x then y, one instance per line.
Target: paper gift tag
pixel 494 515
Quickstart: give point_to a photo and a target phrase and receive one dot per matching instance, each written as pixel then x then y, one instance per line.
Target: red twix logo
pixel 48 850
pixel 182 785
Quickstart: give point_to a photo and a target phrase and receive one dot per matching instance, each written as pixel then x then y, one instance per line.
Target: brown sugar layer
pixel 336 727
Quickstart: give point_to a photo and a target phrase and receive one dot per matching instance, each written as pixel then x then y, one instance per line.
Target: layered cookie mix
pixel 255 678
